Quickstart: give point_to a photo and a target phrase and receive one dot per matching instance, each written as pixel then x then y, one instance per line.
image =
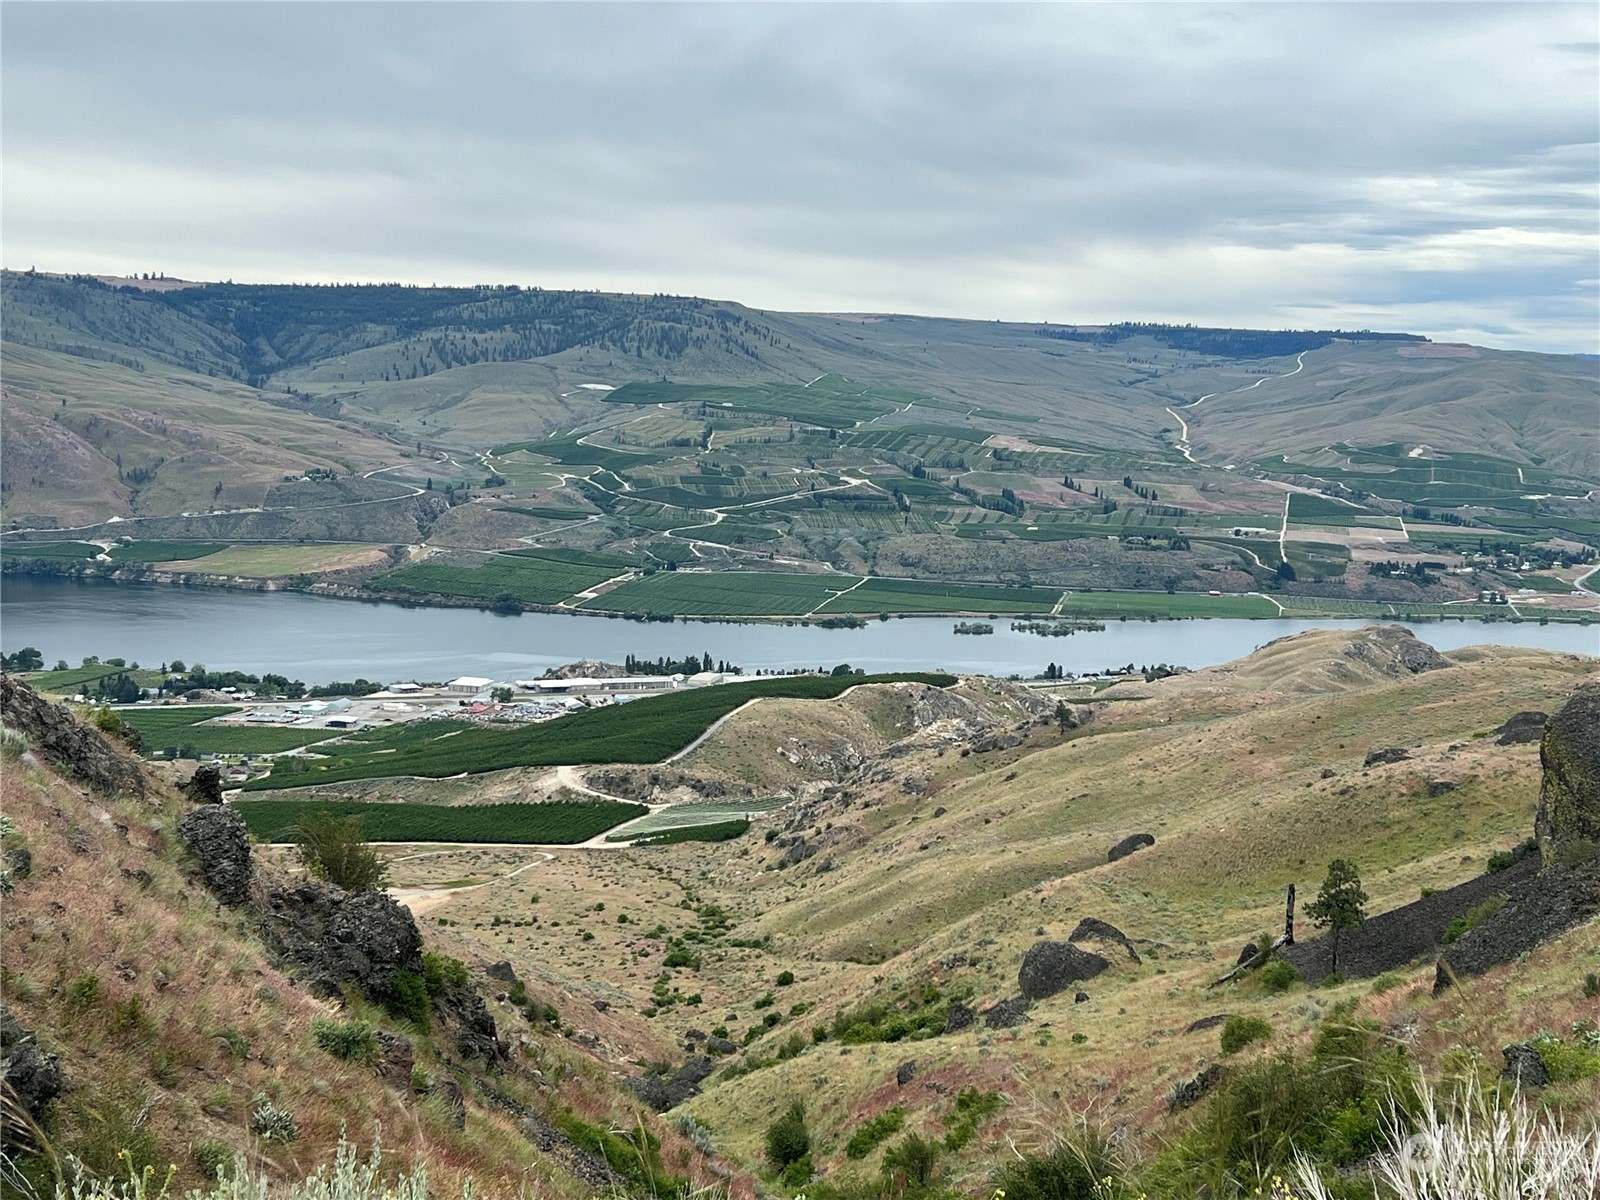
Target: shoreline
pixel 143 575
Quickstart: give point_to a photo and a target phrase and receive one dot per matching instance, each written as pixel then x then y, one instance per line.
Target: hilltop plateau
pixel 961 918
pixel 1333 472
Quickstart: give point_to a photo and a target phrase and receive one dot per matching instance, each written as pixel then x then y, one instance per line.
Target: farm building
pixel 468 685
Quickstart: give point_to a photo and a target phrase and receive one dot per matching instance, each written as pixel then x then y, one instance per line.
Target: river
pixel 318 639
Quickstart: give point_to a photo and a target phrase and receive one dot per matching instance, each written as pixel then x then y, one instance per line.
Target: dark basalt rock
pixel 1522 728
pixel 336 938
pixel 217 836
pixel 1385 756
pixel 1539 908
pixel 19 861
pixel 31 1074
pixel 1092 929
pixel 1081 998
pixel 502 971
pixel 205 785
pixel 396 1057
pixel 1524 1067
pixel 1134 841
pixel 1008 1014
pixel 68 744
pixel 1210 1022
pixel 662 1094
pixel 476 1035
pixel 1051 967
pixel 957 1017
pixel 1569 752
pixel 905 1072
pixel 1190 1092
pixel 720 1045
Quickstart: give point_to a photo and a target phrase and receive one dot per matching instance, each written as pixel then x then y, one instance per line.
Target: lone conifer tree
pixel 1339 903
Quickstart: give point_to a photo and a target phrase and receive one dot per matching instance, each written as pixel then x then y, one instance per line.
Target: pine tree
pixel 1340 902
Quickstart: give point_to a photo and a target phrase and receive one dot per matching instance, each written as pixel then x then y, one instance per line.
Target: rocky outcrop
pixel 1051 967
pixel 216 835
pixel 958 1017
pixel 1521 728
pixel 335 938
pixel 30 1073
pixel 1007 1014
pixel 1388 941
pixel 1191 1091
pixel 1524 1068
pixel 1134 841
pixel 73 748
pixel 1092 929
pixel 1385 755
pixel 662 1094
pixel 476 1035
pixel 1569 752
pixel 1539 908
pixel 205 785
pixel 1394 650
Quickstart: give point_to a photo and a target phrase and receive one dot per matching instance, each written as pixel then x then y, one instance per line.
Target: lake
pixel 318 639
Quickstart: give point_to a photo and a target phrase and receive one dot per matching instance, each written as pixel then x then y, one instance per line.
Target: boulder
pixel 334 938
pixel 1394 650
pixel 216 835
pixel 662 1094
pixel 720 1045
pixel 69 745
pixel 1521 728
pixel 1081 998
pixel 1210 1022
pixel 958 1017
pixel 1385 755
pixel 476 1035
pixel 1007 1014
pixel 1569 752
pixel 1092 929
pixel 1051 967
pixel 205 785
pixel 503 971
pixel 1190 1092
pixel 31 1074
pixel 1134 841
pixel 1441 787
pixel 396 1057
pixel 1524 1068
pixel 905 1072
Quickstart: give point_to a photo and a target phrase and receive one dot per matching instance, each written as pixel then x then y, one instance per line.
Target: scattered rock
pixel 205 785
pixel 1524 1068
pixel 1134 841
pixel 1328 772
pixel 957 1017
pixel 217 836
pixel 1210 1022
pixel 476 1035
pixel 720 1045
pixel 454 1101
pixel 1569 752
pixel 504 972
pixel 662 1094
pixel 1081 998
pixel 996 741
pixel 1190 1092
pixel 19 861
pixel 29 1073
pixel 1441 787
pixel 1521 728
pixel 396 1057
pixel 1007 1014
pixel 1050 967
pixel 1540 907
pixel 1386 755
pixel 940 811
pixel 1092 929
pixel 67 743
pixel 1245 955
pixel 905 1072
pixel 602 1006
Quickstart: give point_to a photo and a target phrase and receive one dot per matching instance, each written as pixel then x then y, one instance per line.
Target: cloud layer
pixel 1430 167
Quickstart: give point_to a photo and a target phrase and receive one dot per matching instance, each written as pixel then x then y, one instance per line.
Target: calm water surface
pixel 317 639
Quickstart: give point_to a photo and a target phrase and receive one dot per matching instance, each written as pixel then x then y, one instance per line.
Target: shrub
pixel 1565 1063
pixel 1239 1032
pixel 349 1040
pixel 409 999
pixel 1591 985
pixel 869 1135
pixel 1080 1165
pixel 1387 981
pixel 785 978
pixel 336 850
pixel 1278 976
pixel 788 1138
pixel 972 1108
pixel 440 971
pixel 912 1160
pixel 271 1123
pixel 83 991
pixel 1473 917
pixel 212 1158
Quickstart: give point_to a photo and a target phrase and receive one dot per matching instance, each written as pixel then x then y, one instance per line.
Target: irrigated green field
pixel 62 550
pixel 531 576
pixel 189 729
pixel 560 823
pixel 916 596
pixel 640 731
pixel 723 593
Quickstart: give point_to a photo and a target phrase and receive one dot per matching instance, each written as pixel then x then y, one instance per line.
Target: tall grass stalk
pixel 1476 1144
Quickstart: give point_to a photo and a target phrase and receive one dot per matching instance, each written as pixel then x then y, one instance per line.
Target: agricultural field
pixel 190 730
pixel 916 596
pixel 1317 560
pixel 570 450
pixel 641 731
pixel 698 815
pixel 70 551
pixel 160 552
pixel 530 577
pixel 557 823
pixel 1175 605
pixel 831 401
pixel 74 679
pixel 723 593
pixel 272 562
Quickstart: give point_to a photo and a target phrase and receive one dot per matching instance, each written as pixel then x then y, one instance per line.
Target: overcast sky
pixel 1432 168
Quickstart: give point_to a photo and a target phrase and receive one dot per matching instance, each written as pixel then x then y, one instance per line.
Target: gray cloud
pixel 1428 167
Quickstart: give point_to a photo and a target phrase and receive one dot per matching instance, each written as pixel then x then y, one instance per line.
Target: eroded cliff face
pixel 1569 798
pixel 69 745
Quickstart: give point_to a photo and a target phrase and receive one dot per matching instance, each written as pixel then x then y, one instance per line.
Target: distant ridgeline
pixel 249 331
pixel 1228 343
